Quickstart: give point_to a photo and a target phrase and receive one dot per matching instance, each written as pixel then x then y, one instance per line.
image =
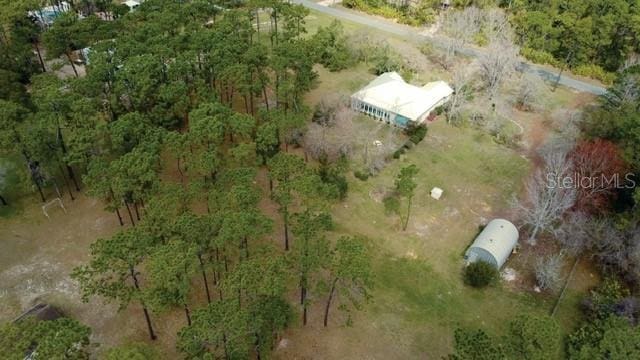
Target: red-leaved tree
pixel 599 168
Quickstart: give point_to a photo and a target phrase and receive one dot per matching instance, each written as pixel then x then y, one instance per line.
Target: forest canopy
pixel 592 37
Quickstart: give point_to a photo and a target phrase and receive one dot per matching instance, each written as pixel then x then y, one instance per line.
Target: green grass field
pixel 418 271
pixel 419 297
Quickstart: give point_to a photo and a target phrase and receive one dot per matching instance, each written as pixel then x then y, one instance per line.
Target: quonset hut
pixel 494 244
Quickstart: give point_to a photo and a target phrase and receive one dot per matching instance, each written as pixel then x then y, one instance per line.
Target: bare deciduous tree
pixel 496 24
pixel 548 271
pixel 438 55
pixel 497 63
pixel 568 124
pixel 529 93
pixel 462 84
pixel 618 249
pixel 380 152
pixel 365 138
pixel 332 137
pixel 632 59
pixel 577 233
pixel 460 27
pixel 364 44
pixel 546 199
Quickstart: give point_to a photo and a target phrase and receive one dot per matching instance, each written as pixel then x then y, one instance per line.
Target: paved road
pixel 411 33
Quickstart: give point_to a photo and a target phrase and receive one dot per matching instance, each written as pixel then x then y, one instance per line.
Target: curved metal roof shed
pixel 494 244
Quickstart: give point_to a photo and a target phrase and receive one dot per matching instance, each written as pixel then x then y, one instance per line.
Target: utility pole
pixel 564 66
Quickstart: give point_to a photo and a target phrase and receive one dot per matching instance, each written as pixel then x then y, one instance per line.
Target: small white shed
pixel 494 244
pixel 436 193
pixel 132 4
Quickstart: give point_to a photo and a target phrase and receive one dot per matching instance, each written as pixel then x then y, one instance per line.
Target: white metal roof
pixel 390 92
pixel 496 240
pixel 132 3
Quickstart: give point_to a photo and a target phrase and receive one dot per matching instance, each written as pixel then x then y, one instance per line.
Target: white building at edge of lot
pixel 390 99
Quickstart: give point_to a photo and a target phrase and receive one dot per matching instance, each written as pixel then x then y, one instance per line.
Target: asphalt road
pixel 411 33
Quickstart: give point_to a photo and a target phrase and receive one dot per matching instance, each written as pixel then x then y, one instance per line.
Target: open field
pixel 419 296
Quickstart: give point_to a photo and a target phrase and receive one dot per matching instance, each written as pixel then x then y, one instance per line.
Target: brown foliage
pixel 600 162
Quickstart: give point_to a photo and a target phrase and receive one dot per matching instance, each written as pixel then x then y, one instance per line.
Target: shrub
pixel 332 176
pixel 362 175
pixel 333 51
pixel 606 300
pixel 533 337
pixel 548 272
pixel 596 72
pixel 353 4
pixel 385 11
pixel 480 39
pixel 406 73
pixel 476 344
pixel 386 60
pixel 538 56
pixel 416 133
pixel 480 274
pixel 391 204
pixel 427 49
pixel 424 13
pixel 398 153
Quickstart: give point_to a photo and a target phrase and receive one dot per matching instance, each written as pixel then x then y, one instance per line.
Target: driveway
pixel 412 33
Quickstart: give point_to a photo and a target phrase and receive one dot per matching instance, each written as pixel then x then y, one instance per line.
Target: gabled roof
pixel 390 92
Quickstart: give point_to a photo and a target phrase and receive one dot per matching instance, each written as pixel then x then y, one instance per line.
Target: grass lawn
pixel 419 297
pixel 418 270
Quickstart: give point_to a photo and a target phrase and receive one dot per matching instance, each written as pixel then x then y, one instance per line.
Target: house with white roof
pixel 47 15
pixel 390 99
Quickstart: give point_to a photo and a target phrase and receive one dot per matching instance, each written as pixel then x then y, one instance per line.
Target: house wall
pixel 388 116
pixel 373 111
